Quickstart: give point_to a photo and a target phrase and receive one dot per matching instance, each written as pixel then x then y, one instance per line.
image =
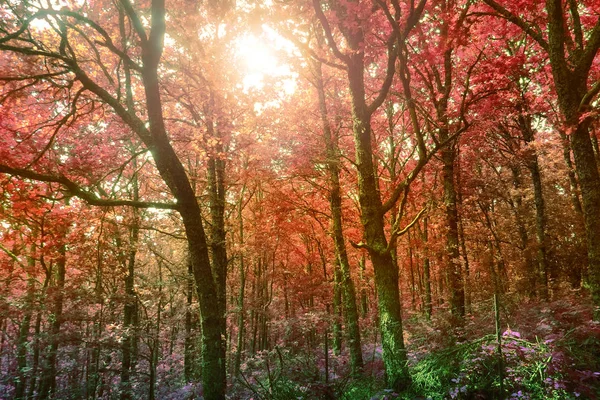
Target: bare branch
pixel 589 96
pixel 399 232
pixel 328 34
pixel 76 190
pixel 521 23
pixel 360 245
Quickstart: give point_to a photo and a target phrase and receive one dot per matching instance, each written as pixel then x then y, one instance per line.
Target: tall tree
pixel 350 310
pixel 572 46
pixel 350 24
pixel 72 34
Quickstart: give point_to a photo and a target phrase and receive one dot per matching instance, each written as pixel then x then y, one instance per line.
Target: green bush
pixel 476 370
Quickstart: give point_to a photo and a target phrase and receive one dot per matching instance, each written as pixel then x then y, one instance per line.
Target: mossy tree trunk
pixel 372 218
pixel 343 276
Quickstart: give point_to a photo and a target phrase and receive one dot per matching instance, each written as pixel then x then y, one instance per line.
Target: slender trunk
pixel 253 313
pixel 214 330
pixel 347 290
pixel 427 271
pixel 241 318
pixel 594 139
pixel 540 225
pixel 573 185
pixel 155 334
pixel 130 308
pixel 93 378
pixel 413 290
pixel 36 341
pixel 364 297
pixel 453 271
pixel 48 382
pixel 548 276
pixel 189 357
pixel 440 286
pixel 23 337
pixel 499 270
pixel 129 314
pixel 448 156
pixel 35 362
pixel 532 274
pixel 461 235
pixel 336 344
pixel 241 295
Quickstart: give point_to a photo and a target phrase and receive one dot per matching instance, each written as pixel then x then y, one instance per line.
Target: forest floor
pixel 550 350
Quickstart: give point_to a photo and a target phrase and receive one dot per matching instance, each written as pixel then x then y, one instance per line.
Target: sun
pixel 257 59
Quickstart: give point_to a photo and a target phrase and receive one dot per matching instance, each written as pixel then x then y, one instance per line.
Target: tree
pixel 373 209
pixel 62 47
pixel 572 44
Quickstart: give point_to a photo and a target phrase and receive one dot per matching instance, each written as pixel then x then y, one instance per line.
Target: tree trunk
pixel 448 156
pixel 348 292
pixel 364 296
pixel 532 273
pixel 413 290
pixel 241 295
pixel 189 357
pixel 215 332
pixel 454 269
pixel 23 337
pixel 386 273
pixel 155 335
pixel 48 382
pixel 461 235
pixel 336 344
pixel 129 345
pixel 546 274
pixel 573 185
pixel 427 271
pixel 129 312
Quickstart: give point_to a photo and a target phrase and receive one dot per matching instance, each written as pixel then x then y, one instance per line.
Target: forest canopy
pixel 299 199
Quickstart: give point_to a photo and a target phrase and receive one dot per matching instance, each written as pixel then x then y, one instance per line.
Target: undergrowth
pixel 552 352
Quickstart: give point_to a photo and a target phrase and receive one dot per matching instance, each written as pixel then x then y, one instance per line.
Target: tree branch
pixel 360 245
pixel 521 23
pixel 589 96
pixel 389 75
pixel 328 35
pixel 399 232
pixel 589 53
pixel 80 192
